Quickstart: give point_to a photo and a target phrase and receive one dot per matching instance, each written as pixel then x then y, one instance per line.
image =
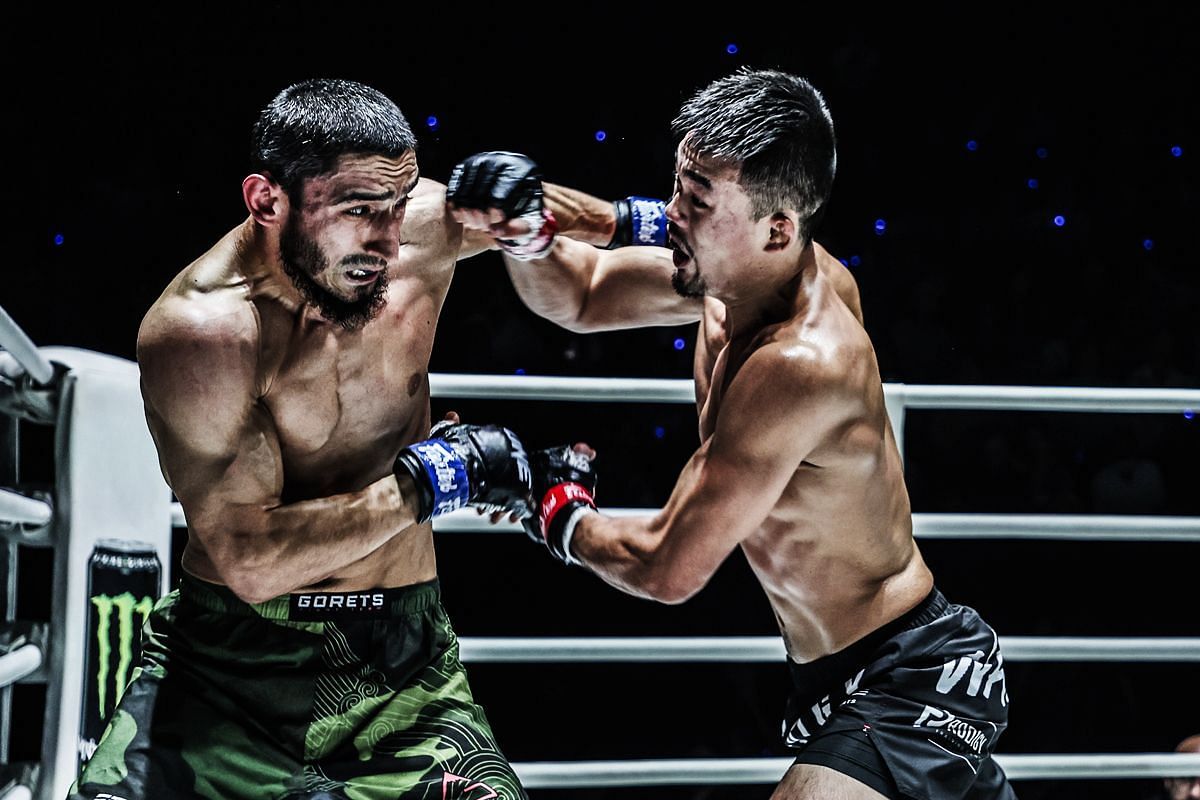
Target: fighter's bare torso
pixel 333 405
pixel 835 554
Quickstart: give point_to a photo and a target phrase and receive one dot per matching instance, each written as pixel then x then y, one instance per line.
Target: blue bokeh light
pixel 680 344
pixel 972 145
pixel 880 226
pixel 1147 244
pixel 855 261
pixel 58 240
pixel 431 121
pixel 731 48
pixel 1060 220
pixel 1032 183
pixel 659 432
pixel 1042 152
pixel 1177 151
pixel 601 136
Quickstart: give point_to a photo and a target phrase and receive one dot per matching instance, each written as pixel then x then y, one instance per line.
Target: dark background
pixel 128 131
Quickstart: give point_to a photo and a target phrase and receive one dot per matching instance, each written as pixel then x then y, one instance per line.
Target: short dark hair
pixel 302 132
pixel 776 128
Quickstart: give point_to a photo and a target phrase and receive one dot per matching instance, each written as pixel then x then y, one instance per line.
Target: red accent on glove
pixel 559 497
pixel 538 242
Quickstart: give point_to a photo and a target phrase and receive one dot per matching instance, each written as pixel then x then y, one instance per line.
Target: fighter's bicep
pixel 632 285
pixel 216 444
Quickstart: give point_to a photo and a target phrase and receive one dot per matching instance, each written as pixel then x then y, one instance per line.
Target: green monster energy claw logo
pixel 124 605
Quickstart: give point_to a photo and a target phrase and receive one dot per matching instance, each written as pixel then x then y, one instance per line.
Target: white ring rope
pixel 19 663
pixel 1050 398
pixel 17 793
pixel 710 771
pixel 1075 527
pixel 681 390
pixel 14 340
pixel 769 649
pixel 22 510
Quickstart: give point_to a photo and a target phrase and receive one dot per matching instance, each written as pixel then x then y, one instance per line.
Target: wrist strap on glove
pixel 562 508
pixel 640 221
pixel 439 474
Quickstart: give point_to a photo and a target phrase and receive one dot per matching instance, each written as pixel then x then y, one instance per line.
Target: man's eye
pixel 698 203
pixel 358 211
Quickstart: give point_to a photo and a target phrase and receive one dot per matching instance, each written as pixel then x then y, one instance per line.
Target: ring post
pixel 108 487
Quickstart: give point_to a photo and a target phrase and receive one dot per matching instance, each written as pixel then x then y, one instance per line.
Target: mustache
pixel 363 260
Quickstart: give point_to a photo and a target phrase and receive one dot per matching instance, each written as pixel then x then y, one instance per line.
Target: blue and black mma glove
pixel 640 221
pixel 512 183
pixel 459 465
pixel 564 486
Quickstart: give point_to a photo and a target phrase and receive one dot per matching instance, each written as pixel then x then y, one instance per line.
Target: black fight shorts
pixel 912 710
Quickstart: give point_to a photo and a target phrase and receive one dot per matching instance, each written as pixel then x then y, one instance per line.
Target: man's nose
pixel 672 209
pixel 385 236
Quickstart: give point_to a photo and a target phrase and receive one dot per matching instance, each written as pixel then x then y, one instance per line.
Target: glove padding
pixel 563 483
pixel 484 466
pixel 511 183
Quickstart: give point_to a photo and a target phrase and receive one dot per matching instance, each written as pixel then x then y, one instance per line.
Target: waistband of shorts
pixel 835 667
pixel 366 605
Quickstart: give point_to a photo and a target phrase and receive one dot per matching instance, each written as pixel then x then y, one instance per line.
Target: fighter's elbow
pixel 251 590
pixel 248 579
pixel 246 563
pixel 581 324
pixel 672 585
pixel 564 315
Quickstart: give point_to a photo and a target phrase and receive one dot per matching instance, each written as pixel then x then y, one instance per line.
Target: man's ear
pixel 264 198
pixel 782 232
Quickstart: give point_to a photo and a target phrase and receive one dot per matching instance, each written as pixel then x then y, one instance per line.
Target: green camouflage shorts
pixel 352 696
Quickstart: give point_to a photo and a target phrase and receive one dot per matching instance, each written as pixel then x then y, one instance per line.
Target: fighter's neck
pixel 787 300
pixel 259 264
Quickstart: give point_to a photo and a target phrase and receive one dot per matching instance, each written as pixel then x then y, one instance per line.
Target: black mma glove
pixel 563 487
pixel 478 465
pixel 511 183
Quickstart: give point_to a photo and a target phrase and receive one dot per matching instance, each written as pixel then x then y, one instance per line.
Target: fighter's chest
pixel 338 392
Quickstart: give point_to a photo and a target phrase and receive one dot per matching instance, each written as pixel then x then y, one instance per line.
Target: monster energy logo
pixel 124 605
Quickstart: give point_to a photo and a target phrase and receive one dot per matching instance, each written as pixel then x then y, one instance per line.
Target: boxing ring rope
pixel 1065 527
pixel 17 509
pixel 681 390
pixel 769 649
pixel 20 663
pixel 22 348
pixel 711 771
pixel 119 381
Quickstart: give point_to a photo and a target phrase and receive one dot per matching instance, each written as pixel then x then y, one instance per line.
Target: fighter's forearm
pixel 581 216
pixel 627 553
pixel 265 552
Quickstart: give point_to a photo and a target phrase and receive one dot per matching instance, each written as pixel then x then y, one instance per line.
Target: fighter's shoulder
pixel 427 202
pixel 428 191
pixel 802 371
pixel 427 221
pixel 186 322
